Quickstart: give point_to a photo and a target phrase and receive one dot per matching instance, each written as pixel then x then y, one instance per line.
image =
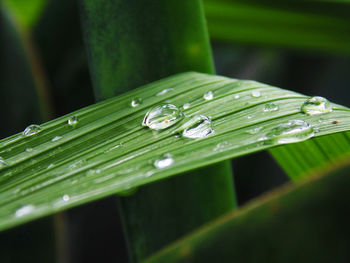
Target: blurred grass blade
pixel 307 222
pixel 108 151
pixel 316 26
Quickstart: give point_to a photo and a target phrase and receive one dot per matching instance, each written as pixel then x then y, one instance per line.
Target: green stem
pixel 134 42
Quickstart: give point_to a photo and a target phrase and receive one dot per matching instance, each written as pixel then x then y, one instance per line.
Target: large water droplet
pixel 256 93
pixel 198 127
pixel 24 210
pixel 208 96
pixel 31 130
pixel 165 161
pixel 162 117
pixel 292 131
pixel 136 102
pixel 269 107
pixel 73 121
pixel 316 105
pixel 3 163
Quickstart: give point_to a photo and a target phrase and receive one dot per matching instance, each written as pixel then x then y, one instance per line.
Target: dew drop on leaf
pixel 73 121
pixel 165 161
pixel 198 127
pixel 31 130
pixel 28 149
pixel 270 107
pixel 56 138
pixel 65 198
pixel 3 163
pixel 162 117
pixel 164 91
pixel 236 96
pixel 136 102
pixel 254 130
pixel 316 105
pixel 292 131
pixel 208 96
pixel 256 93
pixel 186 106
pixel 24 210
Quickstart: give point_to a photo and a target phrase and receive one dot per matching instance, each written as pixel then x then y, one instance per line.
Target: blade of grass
pixel 123 51
pixel 306 222
pixel 295 25
pixel 109 152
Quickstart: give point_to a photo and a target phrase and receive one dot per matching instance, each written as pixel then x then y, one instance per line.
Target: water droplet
pixel 31 130
pixel 208 96
pixel 136 102
pixel 316 105
pixel 165 161
pixel 256 93
pixel 237 96
pixel 162 117
pixel 28 149
pixel 221 145
pixel 197 128
pixel 56 138
pixel 3 163
pixel 65 198
pixel 254 130
pixel 249 117
pixel 73 121
pixel 186 106
pixel 269 107
pixel 24 210
pixel 164 91
pixel 292 131
pixel 50 165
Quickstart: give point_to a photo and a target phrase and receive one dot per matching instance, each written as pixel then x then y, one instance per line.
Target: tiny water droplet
pixel 31 130
pixel 50 165
pixel 73 121
pixel 292 131
pixel 162 117
pixel 28 149
pixel 249 117
pixel 198 127
pixel 165 161
pixel 65 198
pixel 208 96
pixel 221 145
pixel 237 96
pixel 136 102
pixel 254 130
pixel 164 91
pixel 316 105
pixel 24 210
pixel 186 106
pixel 270 107
pixel 56 138
pixel 256 93
pixel 3 163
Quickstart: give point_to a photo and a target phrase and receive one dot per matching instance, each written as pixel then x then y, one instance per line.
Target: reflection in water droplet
pixel 3 163
pixel 197 128
pixel 292 131
pixel 24 210
pixel 73 121
pixel 136 102
pixel 254 130
pixel 31 130
pixel 186 106
pixel 269 107
pixel 65 198
pixel 316 105
pixel 164 91
pixel 162 117
pixel 208 96
pixel 165 161
pixel 56 138
pixel 256 93
pixel 236 96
